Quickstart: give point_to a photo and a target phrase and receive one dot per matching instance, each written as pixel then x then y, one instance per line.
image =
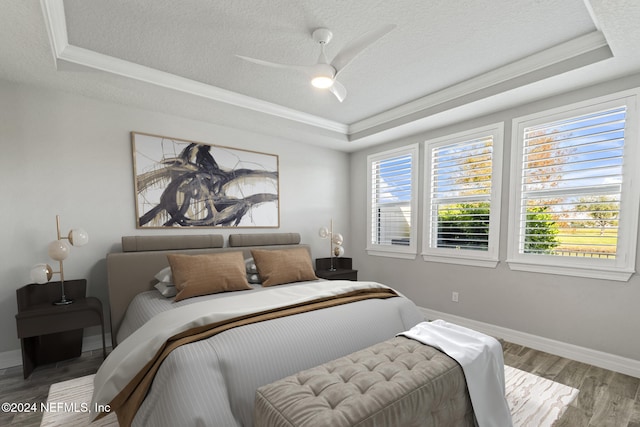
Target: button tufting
pixel 370 379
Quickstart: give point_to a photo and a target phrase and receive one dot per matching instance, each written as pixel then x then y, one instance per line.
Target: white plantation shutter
pixel 462 208
pixel 572 184
pixel 575 189
pixel 461 194
pixel 392 200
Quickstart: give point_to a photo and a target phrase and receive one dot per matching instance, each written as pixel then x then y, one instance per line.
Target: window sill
pixel 619 275
pixel 391 254
pixel 474 262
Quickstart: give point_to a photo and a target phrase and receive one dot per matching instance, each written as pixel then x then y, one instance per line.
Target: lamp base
pixel 63 301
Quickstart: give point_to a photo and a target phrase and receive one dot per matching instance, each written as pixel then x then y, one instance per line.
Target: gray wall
pixel 597 314
pixel 69 155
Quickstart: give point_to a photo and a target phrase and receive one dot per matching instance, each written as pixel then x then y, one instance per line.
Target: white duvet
pixel 130 356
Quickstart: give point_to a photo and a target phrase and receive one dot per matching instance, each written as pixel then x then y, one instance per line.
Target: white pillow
pixel 254 279
pixel 252 272
pixel 167 289
pixel 250 264
pixel 164 275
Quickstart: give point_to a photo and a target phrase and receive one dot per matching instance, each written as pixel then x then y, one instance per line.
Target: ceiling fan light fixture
pixel 322 82
pixel 324 73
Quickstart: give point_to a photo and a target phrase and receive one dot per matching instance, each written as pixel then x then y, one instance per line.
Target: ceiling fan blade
pixel 304 68
pixel 355 47
pixel 338 90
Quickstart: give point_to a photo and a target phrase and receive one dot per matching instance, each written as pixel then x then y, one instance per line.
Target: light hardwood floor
pixel 606 398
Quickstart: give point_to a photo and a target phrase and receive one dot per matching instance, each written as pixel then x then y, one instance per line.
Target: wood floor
pixel 35 389
pixel 606 398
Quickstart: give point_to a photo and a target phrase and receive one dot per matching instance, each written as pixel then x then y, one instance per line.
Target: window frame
pixel 395 251
pixel 490 257
pixel 623 266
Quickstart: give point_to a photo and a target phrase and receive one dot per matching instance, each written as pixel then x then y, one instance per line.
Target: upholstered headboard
pixel 132 271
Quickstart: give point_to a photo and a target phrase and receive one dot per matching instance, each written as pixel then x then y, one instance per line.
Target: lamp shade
pixel 41 273
pixel 78 237
pixel 323 232
pixel 58 250
pixel 338 251
pixel 337 239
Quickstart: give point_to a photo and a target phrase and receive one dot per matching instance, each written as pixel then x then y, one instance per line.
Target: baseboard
pixel 12 358
pixel 570 351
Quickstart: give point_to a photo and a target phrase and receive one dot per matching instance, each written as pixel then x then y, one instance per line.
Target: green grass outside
pixel 587 240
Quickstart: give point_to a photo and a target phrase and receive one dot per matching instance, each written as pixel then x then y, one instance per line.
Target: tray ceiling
pixel 443 56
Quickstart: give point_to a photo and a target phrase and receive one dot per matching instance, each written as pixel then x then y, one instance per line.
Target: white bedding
pixel 147 304
pixel 142 345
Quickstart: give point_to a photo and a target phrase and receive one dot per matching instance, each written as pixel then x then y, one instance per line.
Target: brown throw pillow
pixel 196 275
pixel 280 266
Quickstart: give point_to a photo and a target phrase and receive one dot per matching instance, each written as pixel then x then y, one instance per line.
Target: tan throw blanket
pixel 124 378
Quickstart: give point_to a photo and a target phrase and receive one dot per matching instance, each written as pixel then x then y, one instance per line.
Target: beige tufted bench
pixel 399 382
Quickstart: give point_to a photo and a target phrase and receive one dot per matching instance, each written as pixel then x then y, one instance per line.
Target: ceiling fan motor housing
pixel 322 35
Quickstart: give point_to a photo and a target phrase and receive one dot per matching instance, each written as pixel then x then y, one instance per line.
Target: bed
pixel 159 375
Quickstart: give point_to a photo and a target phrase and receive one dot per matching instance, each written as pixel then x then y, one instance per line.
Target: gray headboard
pixel 131 271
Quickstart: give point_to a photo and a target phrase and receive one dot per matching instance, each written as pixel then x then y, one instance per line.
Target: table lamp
pixel 59 250
pixel 335 242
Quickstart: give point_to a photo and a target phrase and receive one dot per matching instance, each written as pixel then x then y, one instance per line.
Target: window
pixel 392 202
pixel 462 207
pixel 575 211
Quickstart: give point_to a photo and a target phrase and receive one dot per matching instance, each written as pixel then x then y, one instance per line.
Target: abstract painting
pixel 180 183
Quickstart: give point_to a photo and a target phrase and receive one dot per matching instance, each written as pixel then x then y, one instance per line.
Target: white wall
pixel 68 155
pixel 594 314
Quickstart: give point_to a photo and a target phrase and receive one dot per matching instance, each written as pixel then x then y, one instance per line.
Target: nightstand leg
pixel 104 346
pixel 28 356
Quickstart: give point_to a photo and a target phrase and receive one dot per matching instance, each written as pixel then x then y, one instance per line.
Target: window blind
pixel 461 194
pixel 571 185
pixel 391 200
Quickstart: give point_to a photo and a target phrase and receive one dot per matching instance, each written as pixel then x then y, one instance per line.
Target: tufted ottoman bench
pixel 395 383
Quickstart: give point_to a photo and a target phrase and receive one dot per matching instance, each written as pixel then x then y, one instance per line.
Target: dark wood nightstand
pixel 343 270
pixel 49 333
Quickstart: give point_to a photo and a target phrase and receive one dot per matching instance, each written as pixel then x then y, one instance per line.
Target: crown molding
pixel 56 25
pixel 517 73
pixel 527 66
pixel 64 52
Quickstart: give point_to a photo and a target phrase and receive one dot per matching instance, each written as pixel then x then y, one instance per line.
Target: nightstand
pixel 49 333
pixel 343 270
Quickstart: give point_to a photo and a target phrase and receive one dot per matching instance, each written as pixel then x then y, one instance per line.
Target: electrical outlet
pixel 454 296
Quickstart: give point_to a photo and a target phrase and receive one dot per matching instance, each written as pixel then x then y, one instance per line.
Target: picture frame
pixel 184 184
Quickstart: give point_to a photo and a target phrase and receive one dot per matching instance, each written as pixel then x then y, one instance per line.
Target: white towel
pixel 482 362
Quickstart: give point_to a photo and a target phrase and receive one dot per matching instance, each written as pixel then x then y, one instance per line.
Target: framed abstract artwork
pixel 180 183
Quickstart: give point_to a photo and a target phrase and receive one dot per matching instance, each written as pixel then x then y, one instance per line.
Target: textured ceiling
pixel 445 60
pixel 436 43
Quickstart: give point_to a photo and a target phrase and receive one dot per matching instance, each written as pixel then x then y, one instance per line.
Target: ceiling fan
pixel 324 73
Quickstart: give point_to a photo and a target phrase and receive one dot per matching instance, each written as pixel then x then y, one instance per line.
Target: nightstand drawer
pixel 341 269
pixel 49 319
pixel 338 274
